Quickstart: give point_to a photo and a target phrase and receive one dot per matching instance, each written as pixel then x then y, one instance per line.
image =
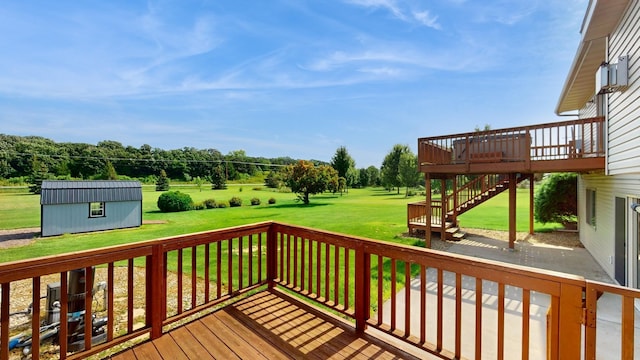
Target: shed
pixel 84 206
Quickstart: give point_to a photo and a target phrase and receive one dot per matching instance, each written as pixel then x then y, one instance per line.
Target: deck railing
pixel 553 141
pixel 452 305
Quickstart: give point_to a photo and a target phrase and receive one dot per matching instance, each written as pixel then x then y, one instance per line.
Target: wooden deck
pixel 265 326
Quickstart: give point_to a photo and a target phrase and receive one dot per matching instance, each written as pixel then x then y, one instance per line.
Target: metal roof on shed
pixel 73 192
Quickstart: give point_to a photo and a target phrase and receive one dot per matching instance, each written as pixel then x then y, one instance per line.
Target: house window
pixel 591 207
pixel 96 209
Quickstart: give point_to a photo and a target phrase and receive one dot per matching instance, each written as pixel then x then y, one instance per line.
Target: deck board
pixel 264 326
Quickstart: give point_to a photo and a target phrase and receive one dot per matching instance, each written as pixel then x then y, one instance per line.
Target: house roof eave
pixel 600 20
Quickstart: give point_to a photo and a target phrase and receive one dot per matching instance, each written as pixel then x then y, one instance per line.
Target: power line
pixel 220 161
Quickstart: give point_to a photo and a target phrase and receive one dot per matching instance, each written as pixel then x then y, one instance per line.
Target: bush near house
pixel 174 201
pixel 556 199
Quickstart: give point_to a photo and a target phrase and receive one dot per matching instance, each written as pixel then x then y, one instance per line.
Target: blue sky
pixel 281 77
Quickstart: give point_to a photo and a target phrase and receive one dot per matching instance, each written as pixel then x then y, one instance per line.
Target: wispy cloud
pixel 401 11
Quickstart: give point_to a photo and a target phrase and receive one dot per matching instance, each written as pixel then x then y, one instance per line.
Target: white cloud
pixel 401 11
pixel 426 19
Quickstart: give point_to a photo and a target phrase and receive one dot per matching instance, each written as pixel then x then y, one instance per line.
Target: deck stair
pixel 471 194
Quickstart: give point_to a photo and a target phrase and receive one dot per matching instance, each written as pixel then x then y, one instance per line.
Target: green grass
pixel 372 212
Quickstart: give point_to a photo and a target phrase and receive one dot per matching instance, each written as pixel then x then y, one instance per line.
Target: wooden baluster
pixel 327 266
pixel 458 320
pixel 423 304
pixel 88 300
pixel 478 332
pixel 194 278
pixel 179 282
pixel 380 288
pixel 394 299
pixel 407 299
pixel 250 259
pixel 500 321
pixel 64 309
pixel 346 278
pixel 526 301
pixel 207 269
pixel 440 316
pixel 35 318
pixel 240 261
pixel 303 254
pixel 230 266
pixel 219 270
pixel 109 304
pixel 130 296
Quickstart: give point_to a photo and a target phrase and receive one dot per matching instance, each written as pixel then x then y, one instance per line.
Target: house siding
pixel 600 240
pixel 74 218
pixel 623 106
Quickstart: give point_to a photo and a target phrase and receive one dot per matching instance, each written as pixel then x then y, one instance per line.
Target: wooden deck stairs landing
pixel 471 194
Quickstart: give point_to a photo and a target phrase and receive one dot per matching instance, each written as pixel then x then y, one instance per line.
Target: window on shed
pixel 96 209
pixel 591 207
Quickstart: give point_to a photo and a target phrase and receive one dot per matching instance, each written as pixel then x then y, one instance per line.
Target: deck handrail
pixel 565 140
pixel 361 278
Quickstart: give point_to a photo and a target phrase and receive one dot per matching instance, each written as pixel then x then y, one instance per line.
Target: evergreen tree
pixel 163 181
pixel 218 178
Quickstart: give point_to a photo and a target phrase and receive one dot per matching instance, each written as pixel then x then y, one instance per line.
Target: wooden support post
pixel 272 256
pixel 443 209
pixel 427 219
pixel 512 210
pixel 570 321
pixel 455 200
pixel 362 288
pixel 531 200
pixel 158 281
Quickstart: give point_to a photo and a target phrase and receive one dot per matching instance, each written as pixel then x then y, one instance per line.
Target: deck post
pixel 443 209
pixel 531 201
pixel 570 321
pixel 157 282
pixel 512 210
pixel 427 218
pixel 271 256
pixel 362 288
pixel 455 200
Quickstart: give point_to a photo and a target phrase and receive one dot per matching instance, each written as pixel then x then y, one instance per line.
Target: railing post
pixel 362 288
pixel 569 322
pixel 271 256
pixel 156 287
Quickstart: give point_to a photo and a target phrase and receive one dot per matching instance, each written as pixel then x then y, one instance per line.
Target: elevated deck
pixel 562 146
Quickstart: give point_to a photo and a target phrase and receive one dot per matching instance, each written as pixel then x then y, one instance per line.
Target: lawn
pixel 371 212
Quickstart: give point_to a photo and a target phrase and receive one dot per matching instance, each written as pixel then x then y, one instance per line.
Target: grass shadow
pixel 297 205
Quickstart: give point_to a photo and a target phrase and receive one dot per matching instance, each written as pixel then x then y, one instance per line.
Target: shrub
pixel 272 201
pixel 255 201
pixel 173 201
pixel 210 204
pixel 257 188
pixel 556 199
pixel 222 204
pixel 199 206
pixel 235 201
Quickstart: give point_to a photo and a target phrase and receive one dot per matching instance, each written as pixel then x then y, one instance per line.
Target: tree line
pixel 21 156
pixel 30 158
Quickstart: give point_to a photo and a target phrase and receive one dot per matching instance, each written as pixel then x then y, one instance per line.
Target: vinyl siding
pixel 624 107
pixel 599 240
pixel 74 218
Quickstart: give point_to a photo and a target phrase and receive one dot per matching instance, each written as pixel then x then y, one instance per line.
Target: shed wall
pixel 74 218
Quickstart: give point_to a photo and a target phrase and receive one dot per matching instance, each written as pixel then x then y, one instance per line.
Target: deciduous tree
pixel 304 178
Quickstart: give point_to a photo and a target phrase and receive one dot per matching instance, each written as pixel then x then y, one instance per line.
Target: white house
pixel 604 81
